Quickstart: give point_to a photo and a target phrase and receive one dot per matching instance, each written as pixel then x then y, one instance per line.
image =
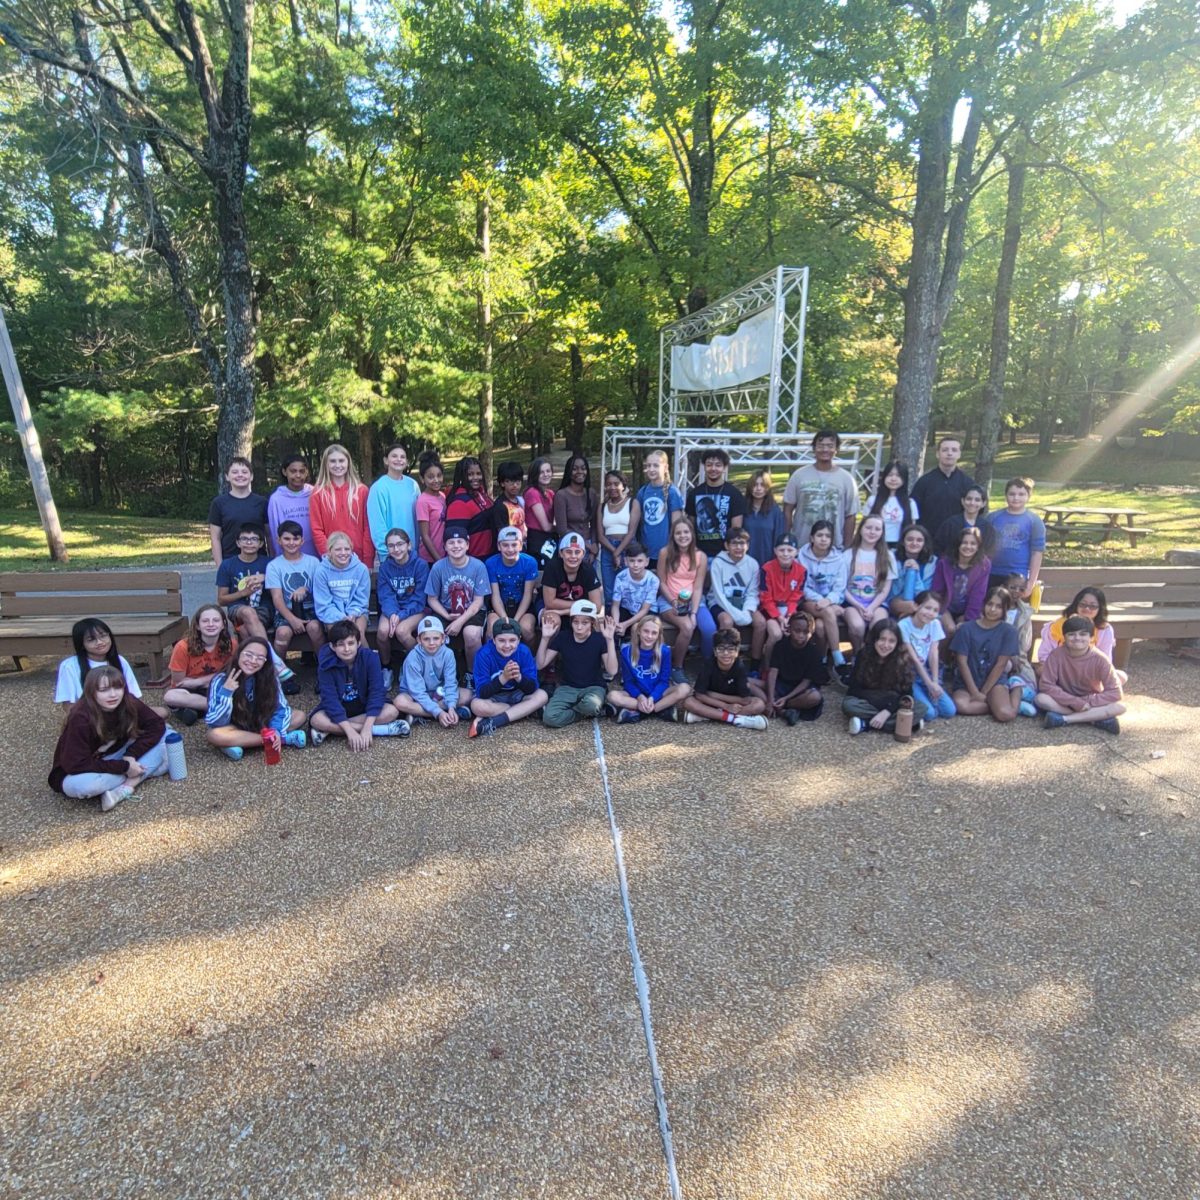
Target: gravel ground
pixel 910 971
pixel 948 969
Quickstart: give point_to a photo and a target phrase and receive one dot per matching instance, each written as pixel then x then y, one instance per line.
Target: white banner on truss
pixel 728 360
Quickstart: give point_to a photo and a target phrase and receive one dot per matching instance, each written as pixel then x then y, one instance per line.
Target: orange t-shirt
pixel 194 665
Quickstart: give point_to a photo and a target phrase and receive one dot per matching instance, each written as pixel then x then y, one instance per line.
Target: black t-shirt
pixel 555 576
pixel 714 509
pixel 232 512
pixel 795 663
pixel 724 683
pixel 581 661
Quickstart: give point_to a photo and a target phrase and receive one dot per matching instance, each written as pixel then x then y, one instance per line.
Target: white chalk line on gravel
pixel 639 975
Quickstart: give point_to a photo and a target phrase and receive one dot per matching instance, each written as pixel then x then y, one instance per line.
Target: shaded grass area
pixel 100 540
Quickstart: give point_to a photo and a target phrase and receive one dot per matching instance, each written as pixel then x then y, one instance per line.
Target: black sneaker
pixel 791 716
pixel 291 687
pixel 185 716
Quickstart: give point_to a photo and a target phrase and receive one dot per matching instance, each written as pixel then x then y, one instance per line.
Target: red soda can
pixel 272 746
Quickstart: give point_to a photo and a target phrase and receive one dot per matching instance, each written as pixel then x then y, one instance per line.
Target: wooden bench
pixel 144 609
pixel 1150 601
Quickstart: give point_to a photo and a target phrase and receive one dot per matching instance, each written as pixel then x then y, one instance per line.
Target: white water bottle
pixel 176 761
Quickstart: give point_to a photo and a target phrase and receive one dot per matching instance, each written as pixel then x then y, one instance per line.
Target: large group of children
pixel 573 602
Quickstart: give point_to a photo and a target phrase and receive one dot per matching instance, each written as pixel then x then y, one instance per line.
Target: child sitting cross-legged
pixel 646 688
pixel 429 682
pixel 881 683
pixel 792 687
pixel 722 691
pixel 506 680
pixel 587 652
pixel 353 702
pixel 246 704
pixel 1078 684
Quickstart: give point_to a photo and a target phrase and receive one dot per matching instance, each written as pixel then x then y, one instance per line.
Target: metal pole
pixel 32 447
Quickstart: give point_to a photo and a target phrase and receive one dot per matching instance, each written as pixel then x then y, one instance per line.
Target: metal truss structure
pixel 776 396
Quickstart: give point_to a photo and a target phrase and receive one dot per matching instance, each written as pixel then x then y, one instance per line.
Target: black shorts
pixel 240 607
pixel 477 620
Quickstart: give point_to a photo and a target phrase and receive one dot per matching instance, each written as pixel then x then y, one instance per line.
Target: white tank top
pixel 616 523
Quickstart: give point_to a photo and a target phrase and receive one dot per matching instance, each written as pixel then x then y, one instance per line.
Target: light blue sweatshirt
pixel 344 594
pixel 424 673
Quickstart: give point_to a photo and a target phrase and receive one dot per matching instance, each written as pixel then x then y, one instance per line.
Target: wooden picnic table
pixel 1065 519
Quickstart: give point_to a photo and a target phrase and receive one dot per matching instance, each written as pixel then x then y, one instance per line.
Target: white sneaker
pixel 114 796
pixel 316 737
pixel 857 725
pixel 393 729
pixel 389 679
pixel 691 718
pixel 750 722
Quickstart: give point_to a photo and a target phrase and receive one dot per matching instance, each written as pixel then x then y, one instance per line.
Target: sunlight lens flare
pixel 1138 399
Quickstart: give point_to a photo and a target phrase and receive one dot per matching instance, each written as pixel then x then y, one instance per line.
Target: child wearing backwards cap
pixel 782 592
pixel 429 681
pixel 568 578
pixel 456 590
pixel 513 576
pixel 507 681
pixel 586 654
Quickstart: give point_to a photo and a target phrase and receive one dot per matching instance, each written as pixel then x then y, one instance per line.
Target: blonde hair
pixel 336 538
pixel 636 640
pixel 353 482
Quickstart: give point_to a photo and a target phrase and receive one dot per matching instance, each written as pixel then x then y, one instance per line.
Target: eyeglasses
pixel 1088 604
pixel 258 658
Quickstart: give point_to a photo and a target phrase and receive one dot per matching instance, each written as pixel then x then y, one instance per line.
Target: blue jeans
pixel 608 574
pixel 92 783
pixel 706 627
pixel 943 708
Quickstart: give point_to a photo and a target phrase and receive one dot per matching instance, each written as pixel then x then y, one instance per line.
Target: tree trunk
pixel 993 392
pixel 578 407
pixel 483 299
pixel 938 247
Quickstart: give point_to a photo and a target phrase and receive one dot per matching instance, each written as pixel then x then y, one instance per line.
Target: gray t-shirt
pixel 457 587
pixel 821 496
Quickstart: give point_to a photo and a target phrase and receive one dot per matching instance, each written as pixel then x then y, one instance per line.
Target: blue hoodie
pixel 347 683
pixel 489 662
pixel 341 595
pixel 401 589
pixel 640 677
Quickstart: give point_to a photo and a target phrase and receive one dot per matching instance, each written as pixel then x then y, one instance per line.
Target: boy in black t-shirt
pixel 569 578
pixel 794 678
pixel 722 690
pixel 715 505
pixel 229 511
pixel 586 654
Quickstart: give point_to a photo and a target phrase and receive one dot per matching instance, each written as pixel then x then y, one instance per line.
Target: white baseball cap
pixel 430 625
pixel 509 533
pixel 583 608
pixel 572 539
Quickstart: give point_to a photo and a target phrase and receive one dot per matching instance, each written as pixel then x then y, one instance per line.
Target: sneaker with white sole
pixel 691 718
pixel 392 729
pixel 295 738
pixel 857 725
pixel 316 737
pixel 114 796
pixel 628 717
pixel 759 723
